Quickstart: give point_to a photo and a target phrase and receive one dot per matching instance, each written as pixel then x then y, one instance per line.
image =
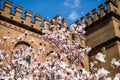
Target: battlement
pixel 88 19
pixel 6 11
pixel 101 11
pixel 17 15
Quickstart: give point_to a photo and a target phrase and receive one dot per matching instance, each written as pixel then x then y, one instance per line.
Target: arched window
pixel 22 43
pixel 22 50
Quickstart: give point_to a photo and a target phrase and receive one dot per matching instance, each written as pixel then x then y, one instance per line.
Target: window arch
pixel 22 43
pixel 21 50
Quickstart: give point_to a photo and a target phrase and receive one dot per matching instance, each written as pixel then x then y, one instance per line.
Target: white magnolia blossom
pixel 109 78
pixel 60 62
pixel 13 41
pixel 21 37
pixel 5 37
pixel 84 25
pixel 92 64
pixel 115 63
pixel 79 29
pixel 26 33
pixel 102 73
pixel 72 27
pixel 117 77
pixel 32 40
pixel 100 57
pixel 54 54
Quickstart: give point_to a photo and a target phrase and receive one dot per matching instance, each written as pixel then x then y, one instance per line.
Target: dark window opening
pixel 32 26
pixel 22 21
pixel 11 17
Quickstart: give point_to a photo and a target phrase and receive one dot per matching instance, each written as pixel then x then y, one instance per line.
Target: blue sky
pixel 69 9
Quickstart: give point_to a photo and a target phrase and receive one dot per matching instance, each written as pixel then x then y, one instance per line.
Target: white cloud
pixel 67 3
pixel 72 3
pixel 73 15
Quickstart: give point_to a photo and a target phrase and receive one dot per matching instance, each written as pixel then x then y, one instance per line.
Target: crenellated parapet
pixel 88 19
pixel 27 20
pixel 17 15
pixel 113 6
pixel 56 22
pixel 101 11
pixel 93 16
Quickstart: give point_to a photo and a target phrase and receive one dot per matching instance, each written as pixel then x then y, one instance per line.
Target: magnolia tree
pixel 64 61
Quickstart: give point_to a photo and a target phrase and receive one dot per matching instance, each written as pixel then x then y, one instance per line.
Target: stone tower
pixel 103 30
